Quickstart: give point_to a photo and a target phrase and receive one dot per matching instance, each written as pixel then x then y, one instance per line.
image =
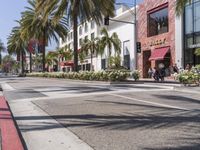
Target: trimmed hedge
pixel 116 75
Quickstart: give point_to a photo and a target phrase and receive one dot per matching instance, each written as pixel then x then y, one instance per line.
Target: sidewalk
pixel 10 139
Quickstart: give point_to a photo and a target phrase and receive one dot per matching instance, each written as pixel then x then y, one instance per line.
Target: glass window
pixel 126 51
pixel 188 19
pixel 189 56
pixel 189 41
pixel 196 17
pixel 80 42
pixel 197 39
pixel 87 67
pixel 92 36
pixel 86 38
pixel 80 30
pixel 86 27
pixel 158 22
pixel 103 64
pixel 92 24
pixel 126 48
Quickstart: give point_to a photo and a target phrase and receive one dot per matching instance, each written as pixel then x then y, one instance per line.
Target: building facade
pixel 156 32
pixel 191 23
pixel 125 32
pixel 90 30
pixel 86 30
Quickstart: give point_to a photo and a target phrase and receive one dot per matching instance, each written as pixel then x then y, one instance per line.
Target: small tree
pixel 197 52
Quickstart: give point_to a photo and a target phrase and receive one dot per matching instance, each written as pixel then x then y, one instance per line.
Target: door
pixel 146 63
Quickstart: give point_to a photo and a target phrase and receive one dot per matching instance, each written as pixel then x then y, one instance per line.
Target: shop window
pixel 158 21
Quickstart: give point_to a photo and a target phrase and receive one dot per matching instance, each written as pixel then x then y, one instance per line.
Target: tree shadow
pixel 178 98
pixel 122 122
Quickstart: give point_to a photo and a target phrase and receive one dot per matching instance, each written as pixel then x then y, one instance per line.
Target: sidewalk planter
pixel 113 75
pixel 189 78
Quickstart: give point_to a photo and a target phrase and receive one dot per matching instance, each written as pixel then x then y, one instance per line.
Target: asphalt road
pixel 117 117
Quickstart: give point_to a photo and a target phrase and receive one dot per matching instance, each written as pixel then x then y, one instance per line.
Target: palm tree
pixel 109 42
pixel 17 45
pixel 51 58
pixel 180 4
pixel 2 48
pixel 90 47
pixel 77 10
pixel 44 30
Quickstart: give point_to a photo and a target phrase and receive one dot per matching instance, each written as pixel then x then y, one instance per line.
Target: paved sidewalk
pixel 10 139
pixel 44 134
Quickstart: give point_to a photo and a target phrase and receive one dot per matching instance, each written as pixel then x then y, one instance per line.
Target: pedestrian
pixel 187 67
pixel 175 69
pixel 150 72
pixel 155 74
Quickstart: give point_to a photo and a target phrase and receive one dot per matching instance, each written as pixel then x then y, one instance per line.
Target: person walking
pixel 150 72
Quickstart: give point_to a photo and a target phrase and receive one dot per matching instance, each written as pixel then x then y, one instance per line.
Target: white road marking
pixel 7 87
pixel 70 94
pixel 148 102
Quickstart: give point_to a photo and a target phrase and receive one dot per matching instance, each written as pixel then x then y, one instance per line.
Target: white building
pixel 90 30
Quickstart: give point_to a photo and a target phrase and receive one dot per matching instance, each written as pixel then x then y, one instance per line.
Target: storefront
pixel 156 32
pixel 192 33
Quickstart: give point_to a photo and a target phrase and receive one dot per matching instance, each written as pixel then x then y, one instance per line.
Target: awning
pixel 159 54
pixel 67 63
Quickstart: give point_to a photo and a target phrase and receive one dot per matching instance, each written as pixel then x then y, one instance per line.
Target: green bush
pixel 114 75
pixel 188 77
pixel 135 75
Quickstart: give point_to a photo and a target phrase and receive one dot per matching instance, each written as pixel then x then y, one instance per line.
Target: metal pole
pixel 135 34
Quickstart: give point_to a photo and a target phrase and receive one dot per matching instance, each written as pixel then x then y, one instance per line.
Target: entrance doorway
pixel 146 62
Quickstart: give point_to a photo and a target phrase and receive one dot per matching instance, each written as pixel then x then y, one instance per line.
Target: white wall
pixel 179 41
pixel 125 32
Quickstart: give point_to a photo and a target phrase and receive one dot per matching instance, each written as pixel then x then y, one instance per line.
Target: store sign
pixel 157 42
pixel 194 45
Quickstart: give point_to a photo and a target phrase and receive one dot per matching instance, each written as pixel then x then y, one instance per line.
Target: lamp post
pixel 134 13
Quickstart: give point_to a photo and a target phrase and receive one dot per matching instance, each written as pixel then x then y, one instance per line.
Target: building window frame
pixel 154 10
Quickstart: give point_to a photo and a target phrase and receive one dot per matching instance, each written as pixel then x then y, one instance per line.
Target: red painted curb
pixel 9 134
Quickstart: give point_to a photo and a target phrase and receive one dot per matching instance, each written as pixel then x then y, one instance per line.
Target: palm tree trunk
pixel 44 50
pixel 91 67
pixel 75 27
pixel 30 62
pixel 0 58
pixel 22 55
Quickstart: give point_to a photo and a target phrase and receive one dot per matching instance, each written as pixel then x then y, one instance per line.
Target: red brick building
pixel 156 32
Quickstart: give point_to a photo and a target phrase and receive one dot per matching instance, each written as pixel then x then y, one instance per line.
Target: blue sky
pixel 10 11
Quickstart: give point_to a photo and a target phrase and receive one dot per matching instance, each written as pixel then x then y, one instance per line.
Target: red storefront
pixel 156 32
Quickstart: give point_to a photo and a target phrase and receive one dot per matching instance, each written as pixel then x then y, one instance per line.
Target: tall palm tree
pixel 44 30
pixel 90 47
pixel 2 48
pixel 17 45
pixel 77 10
pixel 109 42
pixel 180 4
